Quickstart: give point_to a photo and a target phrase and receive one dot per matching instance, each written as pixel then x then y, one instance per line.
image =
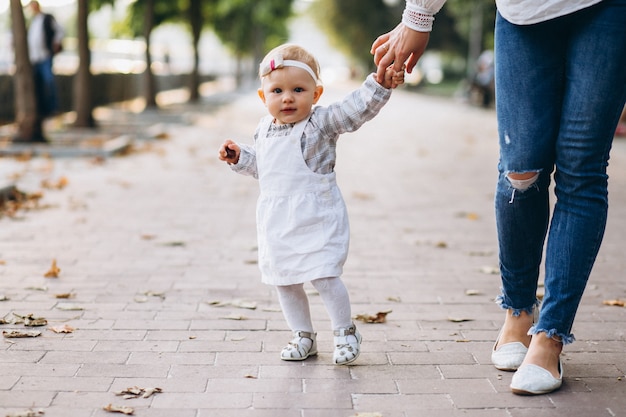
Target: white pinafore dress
pixel 302 222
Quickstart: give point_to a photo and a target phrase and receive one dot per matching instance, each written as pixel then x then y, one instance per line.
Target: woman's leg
pixel 593 98
pixel 591 46
pixel 529 80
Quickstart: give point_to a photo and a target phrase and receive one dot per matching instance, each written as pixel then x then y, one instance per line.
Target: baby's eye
pixel 277 90
pixel 298 89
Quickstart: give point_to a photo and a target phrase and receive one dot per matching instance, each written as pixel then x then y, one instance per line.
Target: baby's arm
pixel 240 158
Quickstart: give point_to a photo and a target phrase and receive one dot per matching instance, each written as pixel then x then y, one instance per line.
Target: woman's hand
pixel 401 47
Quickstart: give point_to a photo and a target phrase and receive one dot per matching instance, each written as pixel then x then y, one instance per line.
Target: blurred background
pixel 143 48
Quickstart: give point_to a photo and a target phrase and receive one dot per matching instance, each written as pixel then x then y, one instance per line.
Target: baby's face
pixel 289 93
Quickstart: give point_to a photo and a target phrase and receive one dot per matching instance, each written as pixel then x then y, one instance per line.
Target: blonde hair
pixel 291 52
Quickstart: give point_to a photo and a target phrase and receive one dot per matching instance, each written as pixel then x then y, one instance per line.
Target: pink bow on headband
pixel 278 62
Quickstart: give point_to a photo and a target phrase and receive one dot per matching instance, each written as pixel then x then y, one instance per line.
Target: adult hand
pixel 399 47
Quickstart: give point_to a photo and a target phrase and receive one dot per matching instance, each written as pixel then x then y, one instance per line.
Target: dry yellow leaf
pixel 65 295
pixel 66 328
pixel 380 317
pixel 617 303
pixel 119 409
pixel 458 319
pixel 54 270
pixel 12 334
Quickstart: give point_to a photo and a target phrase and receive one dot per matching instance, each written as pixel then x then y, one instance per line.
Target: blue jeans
pixel 560 89
pixel 45 88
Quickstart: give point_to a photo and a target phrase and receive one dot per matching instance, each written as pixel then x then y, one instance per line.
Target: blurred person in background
pixel 45 37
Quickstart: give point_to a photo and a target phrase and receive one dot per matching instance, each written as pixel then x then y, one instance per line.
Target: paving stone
pixel 148 243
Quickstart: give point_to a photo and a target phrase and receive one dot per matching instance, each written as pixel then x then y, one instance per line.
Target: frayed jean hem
pixel 515 312
pixel 566 339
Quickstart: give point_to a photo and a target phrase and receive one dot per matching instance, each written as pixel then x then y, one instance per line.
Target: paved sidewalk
pixel 158 250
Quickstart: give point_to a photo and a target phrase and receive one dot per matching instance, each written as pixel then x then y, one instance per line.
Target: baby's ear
pixel 318 93
pixel 261 94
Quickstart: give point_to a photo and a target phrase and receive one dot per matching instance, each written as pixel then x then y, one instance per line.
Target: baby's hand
pixel 229 152
pixel 393 78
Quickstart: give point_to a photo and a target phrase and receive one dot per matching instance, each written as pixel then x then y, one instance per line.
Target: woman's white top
pixel 519 12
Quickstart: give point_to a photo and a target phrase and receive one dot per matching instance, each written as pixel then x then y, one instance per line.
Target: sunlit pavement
pixel 158 285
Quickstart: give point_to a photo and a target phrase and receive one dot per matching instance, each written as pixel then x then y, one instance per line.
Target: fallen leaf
pixel 617 303
pixel 394 299
pixel 492 270
pixel 58 185
pixel 472 292
pixel 135 392
pixel 27 413
pixel 54 270
pixel 65 295
pixel 362 196
pixel 66 328
pixel 380 317
pixel 42 288
pixel 3 262
pixel 149 391
pixel 174 244
pixel 161 295
pixel 441 244
pixel 458 319
pixel 4 297
pixel 249 376
pixel 13 334
pixel 30 321
pixel 250 305
pixel 148 237
pixel 119 409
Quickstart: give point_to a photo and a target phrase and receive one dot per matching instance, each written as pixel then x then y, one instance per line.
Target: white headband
pixel 278 62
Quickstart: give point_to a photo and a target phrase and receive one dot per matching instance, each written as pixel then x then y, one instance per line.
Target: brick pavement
pixel 158 248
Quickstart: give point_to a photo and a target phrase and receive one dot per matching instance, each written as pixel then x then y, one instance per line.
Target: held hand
pixel 401 46
pixel 229 152
pixel 393 78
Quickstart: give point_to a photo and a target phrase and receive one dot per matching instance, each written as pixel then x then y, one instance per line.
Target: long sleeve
pixel 247 159
pixel 420 14
pixel 352 111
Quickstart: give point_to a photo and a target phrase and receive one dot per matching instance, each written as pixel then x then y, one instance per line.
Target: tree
pixel 461 28
pixel 250 27
pixel 29 122
pixel 352 25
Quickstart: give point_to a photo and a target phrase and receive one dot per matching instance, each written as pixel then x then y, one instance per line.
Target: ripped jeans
pixel 560 89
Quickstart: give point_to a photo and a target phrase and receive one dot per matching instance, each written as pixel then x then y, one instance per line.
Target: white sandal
pixel 300 347
pixel 347 345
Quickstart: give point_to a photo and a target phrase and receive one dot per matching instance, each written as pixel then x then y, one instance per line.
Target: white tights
pixel 295 304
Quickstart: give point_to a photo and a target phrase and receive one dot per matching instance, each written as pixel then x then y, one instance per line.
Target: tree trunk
pixel 150 82
pixel 196 22
pixel 29 122
pixel 82 96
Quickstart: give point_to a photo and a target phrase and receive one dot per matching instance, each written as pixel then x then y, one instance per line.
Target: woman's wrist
pixel 419 15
